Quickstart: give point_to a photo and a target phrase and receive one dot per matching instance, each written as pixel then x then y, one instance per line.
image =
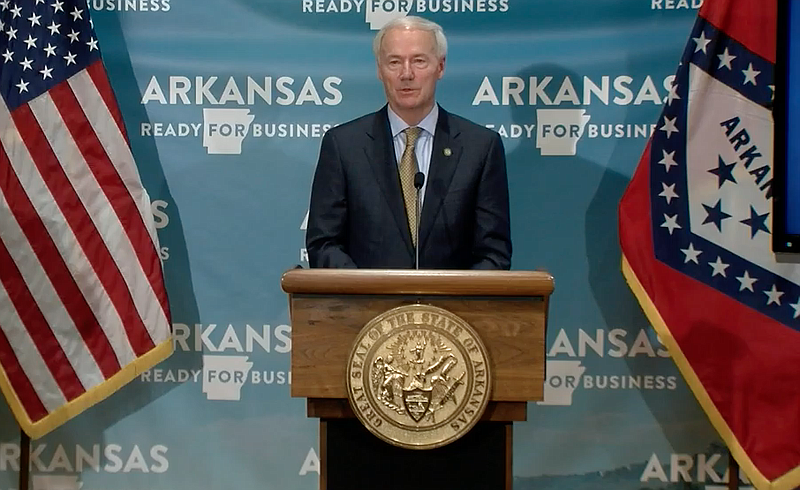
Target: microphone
pixel 419 180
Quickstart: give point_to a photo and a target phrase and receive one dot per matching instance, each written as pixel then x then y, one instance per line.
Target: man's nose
pixel 407 73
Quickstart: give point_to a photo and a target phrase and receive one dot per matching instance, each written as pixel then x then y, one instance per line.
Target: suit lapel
pixel 380 153
pixel 444 160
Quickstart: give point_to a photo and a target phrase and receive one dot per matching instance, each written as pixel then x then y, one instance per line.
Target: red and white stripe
pixel 81 287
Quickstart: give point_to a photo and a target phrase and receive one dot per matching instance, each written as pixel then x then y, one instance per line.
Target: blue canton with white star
pixel 42 43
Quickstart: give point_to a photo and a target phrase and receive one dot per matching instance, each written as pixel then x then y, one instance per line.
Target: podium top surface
pixel 424 282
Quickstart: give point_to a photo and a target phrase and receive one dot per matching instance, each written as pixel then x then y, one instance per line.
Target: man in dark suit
pixel 364 211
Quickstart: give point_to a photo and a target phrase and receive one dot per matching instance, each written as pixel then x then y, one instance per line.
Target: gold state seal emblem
pixel 418 376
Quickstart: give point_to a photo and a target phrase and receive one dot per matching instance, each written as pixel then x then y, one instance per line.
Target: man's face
pixel 409 69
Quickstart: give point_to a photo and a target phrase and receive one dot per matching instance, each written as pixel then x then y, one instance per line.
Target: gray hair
pixel 413 22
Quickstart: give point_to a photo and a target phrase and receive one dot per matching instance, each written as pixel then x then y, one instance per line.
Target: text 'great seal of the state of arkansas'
pixel 418 376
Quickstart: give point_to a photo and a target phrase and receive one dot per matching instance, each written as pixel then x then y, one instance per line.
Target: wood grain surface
pixel 325 326
pixel 424 282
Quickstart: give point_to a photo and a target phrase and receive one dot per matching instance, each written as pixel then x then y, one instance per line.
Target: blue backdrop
pixel 226 102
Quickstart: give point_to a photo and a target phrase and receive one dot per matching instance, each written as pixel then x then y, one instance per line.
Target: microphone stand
pixel 419 180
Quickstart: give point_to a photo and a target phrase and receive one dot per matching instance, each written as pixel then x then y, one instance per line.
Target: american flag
pixel 695 229
pixel 83 307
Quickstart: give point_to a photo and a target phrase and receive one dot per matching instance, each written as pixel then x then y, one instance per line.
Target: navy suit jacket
pixel 357 217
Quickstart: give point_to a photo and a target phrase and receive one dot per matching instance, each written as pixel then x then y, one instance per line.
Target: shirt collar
pixel 428 123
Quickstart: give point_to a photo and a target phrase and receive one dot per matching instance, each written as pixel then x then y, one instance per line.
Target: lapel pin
pixel 447 152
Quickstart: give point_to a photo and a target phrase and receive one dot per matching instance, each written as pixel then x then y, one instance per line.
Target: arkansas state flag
pixel 695 227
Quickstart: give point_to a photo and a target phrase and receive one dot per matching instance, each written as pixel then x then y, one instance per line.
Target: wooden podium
pixel 328 308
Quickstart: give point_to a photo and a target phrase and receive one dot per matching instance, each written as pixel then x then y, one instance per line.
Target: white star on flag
pixel 669 126
pixel 796 307
pixel 725 59
pixel 668 193
pixel 750 75
pixel 774 296
pixel 701 42
pixel 718 267
pixel 673 93
pixel 670 223
pixel 691 254
pixel 668 160
pixel 746 282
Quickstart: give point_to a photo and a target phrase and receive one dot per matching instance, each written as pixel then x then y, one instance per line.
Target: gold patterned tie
pixel 408 168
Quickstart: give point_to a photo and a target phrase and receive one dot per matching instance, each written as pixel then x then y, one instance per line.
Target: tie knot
pixel 412 133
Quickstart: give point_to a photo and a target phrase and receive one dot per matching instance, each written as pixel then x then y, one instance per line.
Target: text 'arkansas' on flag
pixel 695 227
pixel 83 307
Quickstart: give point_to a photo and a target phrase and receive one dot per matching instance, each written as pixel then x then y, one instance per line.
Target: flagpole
pixel 733 472
pixel 24 459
